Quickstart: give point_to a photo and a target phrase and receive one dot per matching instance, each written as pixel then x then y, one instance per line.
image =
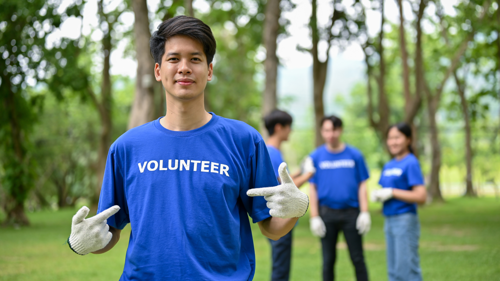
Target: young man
pixel 279 125
pixel 185 181
pixel 338 198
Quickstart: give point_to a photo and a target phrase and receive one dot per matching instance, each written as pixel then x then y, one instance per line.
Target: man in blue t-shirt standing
pixel 279 125
pixel 188 181
pixel 339 198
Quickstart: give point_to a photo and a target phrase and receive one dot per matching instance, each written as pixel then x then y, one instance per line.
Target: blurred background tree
pixel 62 104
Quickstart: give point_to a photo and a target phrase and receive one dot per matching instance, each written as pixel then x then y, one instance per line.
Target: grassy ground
pixel 460 240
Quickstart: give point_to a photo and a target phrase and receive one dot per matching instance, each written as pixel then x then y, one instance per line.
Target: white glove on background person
pixel 317 226
pixel 284 200
pixel 381 195
pixel 363 223
pixel 309 166
pixel 90 235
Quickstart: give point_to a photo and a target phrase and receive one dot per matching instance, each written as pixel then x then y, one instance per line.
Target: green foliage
pixel 235 91
pixel 29 59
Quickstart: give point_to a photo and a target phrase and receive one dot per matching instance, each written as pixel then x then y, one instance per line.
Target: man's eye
pixel 172 59
pixel 196 59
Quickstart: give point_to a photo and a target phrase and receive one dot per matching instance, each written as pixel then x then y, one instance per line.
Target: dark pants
pixel 281 254
pixel 345 221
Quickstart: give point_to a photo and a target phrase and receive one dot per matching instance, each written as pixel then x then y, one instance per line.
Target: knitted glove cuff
pixel 76 246
pixel 304 202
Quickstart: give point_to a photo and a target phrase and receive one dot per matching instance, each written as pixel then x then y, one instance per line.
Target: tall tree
pixel 347 28
pixel 269 37
pixel 143 107
pixel 104 101
pixel 374 54
pixel 29 58
pixel 433 97
pixel 189 8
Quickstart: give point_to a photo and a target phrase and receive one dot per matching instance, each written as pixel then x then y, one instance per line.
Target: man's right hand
pixel 90 235
pixel 317 226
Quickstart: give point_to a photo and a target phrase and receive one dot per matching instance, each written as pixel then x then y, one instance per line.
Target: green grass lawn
pixel 460 240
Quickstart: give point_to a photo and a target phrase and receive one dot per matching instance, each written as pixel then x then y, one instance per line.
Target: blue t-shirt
pixel 401 174
pixel 184 195
pixel 276 158
pixel 338 176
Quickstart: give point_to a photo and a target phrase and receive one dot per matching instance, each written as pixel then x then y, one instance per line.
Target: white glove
pixel 381 195
pixel 90 235
pixel 317 226
pixel 363 223
pixel 284 200
pixel 308 166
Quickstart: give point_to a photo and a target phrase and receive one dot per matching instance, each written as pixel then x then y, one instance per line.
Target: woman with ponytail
pixel 402 189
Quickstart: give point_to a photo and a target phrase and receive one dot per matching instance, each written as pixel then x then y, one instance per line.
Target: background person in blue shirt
pixel 186 181
pixel 279 125
pixel 338 198
pixel 402 188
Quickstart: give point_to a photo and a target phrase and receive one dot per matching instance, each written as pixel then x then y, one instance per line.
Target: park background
pixel 75 75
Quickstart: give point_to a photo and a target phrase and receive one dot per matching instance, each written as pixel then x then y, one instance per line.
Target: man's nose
pixel 184 67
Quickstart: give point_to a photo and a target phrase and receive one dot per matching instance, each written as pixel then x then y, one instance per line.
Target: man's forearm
pixel 313 200
pixel 301 179
pixel 275 228
pixel 363 197
pixel 116 236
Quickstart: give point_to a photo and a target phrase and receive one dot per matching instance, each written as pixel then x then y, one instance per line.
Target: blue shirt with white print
pixel 338 176
pixel 184 195
pixel 402 174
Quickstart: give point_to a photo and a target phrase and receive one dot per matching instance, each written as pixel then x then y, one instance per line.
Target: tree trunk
pixel 383 110
pixel 434 184
pixel 319 75
pixel 404 58
pixel 469 190
pixel 270 35
pixel 18 192
pixel 189 7
pixel 17 215
pixel 143 107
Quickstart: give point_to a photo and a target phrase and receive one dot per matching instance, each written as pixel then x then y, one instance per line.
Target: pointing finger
pixel 104 215
pixel 262 191
pixel 284 175
pixel 80 215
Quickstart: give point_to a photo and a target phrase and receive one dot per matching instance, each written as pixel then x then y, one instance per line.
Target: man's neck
pixel 274 141
pixel 337 147
pixel 185 115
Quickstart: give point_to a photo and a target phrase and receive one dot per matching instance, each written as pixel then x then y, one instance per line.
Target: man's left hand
pixel 284 200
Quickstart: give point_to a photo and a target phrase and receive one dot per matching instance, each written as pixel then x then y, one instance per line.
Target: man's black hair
pixel 277 117
pixel 336 121
pixel 182 25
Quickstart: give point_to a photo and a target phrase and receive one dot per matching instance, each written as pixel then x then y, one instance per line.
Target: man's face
pixel 184 71
pixel 330 134
pixel 284 131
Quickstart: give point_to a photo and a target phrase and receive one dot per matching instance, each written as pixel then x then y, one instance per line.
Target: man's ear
pixel 157 72
pixel 210 71
pixel 277 128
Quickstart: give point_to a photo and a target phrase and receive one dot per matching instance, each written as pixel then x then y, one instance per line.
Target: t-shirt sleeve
pixel 276 160
pixel 113 192
pixel 414 174
pixel 313 178
pixel 361 168
pixel 261 175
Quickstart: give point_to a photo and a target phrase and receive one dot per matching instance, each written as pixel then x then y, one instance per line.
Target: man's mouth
pixel 184 82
